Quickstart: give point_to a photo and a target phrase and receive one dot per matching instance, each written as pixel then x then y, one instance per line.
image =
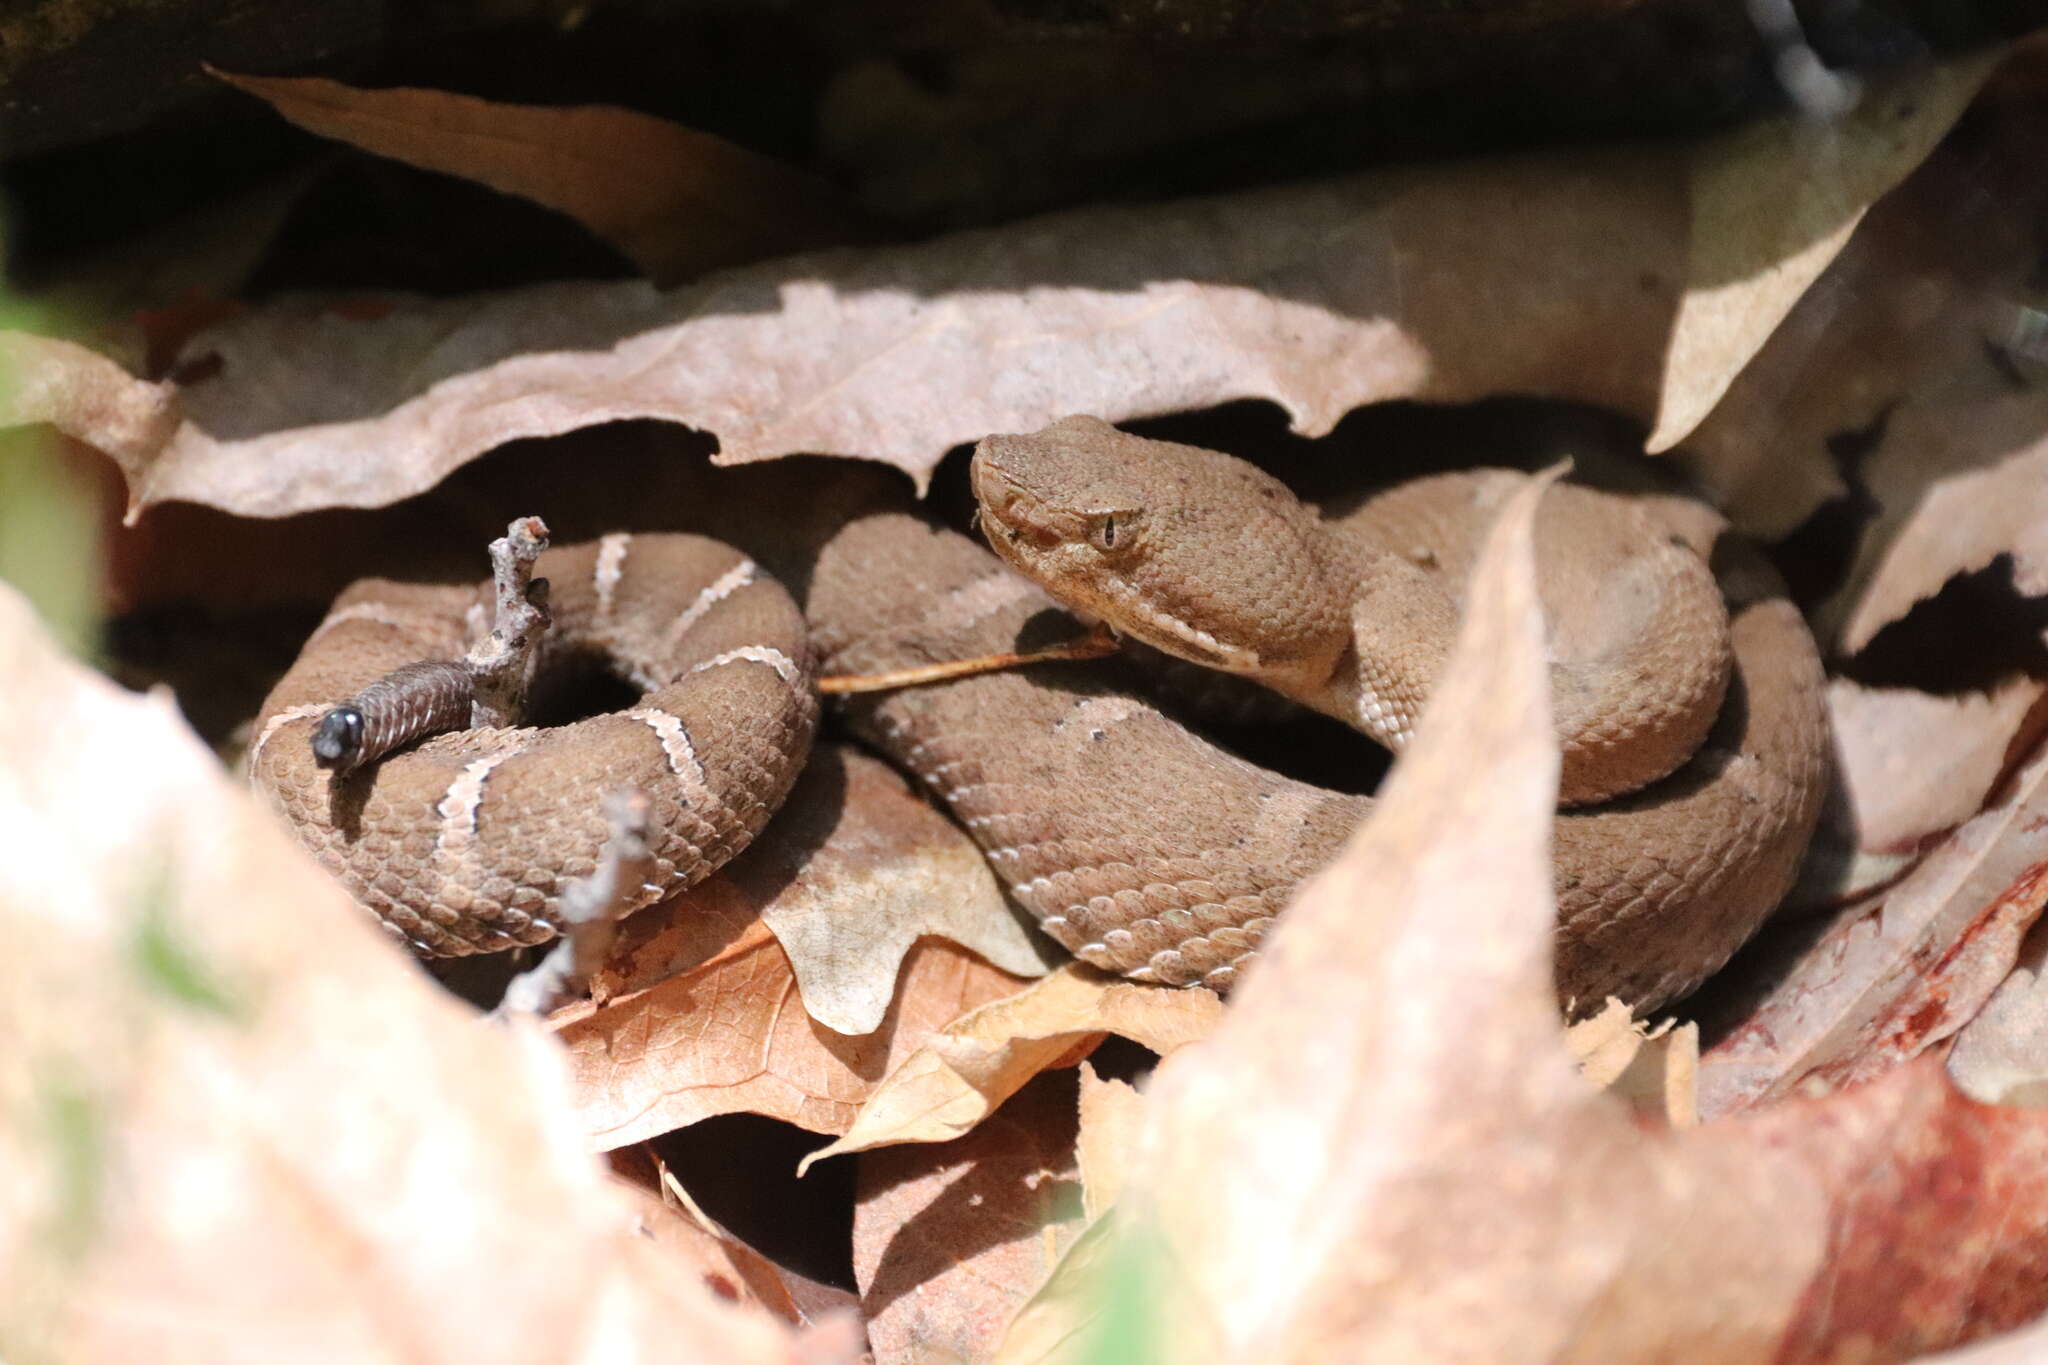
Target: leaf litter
pixel 1321 298
pixel 239 1122
pixel 676 201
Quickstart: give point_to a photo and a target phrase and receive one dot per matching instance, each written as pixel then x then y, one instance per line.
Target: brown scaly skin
pixel 1135 842
pixel 464 842
pixel 1655 887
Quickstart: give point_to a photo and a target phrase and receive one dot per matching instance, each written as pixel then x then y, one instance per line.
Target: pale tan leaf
pixel 1662 1079
pixel 1915 763
pixel 2001 1056
pixel 1063 1320
pixel 676 201
pixel 949 1240
pixel 1772 203
pixel 1892 977
pixel 1653 1069
pixel 1895 370
pixel 84 395
pixel 1320 297
pixel 1110 1113
pixel 1443 895
pixel 240 1124
pixel 1961 484
pixel 856 868
pixel 721 1030
pixel 1603 1045
pixel 961 1073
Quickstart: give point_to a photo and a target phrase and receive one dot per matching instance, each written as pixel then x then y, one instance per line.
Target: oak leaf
pixel 949 1239
pixel 241 1124
pixel 1891 975
pixel 1321 298
pixel 727 1033
pixel 961 1073
pixel 676 201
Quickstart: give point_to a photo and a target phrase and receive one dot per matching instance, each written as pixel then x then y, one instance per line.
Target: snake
pixel 1688 698
pixel 464 841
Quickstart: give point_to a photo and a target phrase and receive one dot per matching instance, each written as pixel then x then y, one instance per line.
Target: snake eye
pixel 1102 532
pixel 338 738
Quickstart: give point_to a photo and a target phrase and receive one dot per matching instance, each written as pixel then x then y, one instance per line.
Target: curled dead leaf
pixel 950 1239
pixel 239 1120
pixel 722 1030
pixel 1772 204
pixel 676 201
pixel 923 348
pixel 854 870
pixel 961 1073
pixel 1893 976
pixel 1110 1114
pixel 2001 1056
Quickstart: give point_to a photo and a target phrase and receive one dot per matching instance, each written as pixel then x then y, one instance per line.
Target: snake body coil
pixel 463 842
pixel 1138 844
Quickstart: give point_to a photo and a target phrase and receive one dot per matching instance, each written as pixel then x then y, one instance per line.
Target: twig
pixel 591 908
pixel 501 665
pixel 1097 643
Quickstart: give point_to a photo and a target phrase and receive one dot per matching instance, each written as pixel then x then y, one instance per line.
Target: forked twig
pixel 502 663
pixel 591 908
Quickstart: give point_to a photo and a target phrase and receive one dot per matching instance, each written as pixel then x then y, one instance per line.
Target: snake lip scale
pixel 1132 840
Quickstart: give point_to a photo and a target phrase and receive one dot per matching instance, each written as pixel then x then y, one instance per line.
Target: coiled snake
pixel 1138 844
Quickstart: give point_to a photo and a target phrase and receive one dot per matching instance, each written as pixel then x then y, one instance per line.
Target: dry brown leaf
pixel 1915 763
pixel 722 1029
pixel 949 1240
pixel 240 1125
pixel 676 201
pixel 2001 1056
pixel 1603 1045
pixel 855 869
pixel 1653 1069
pixel 1383 1151
pixel 1889 979
pixel 1772 204
pixel 1892 353
pixel 958 1076
pixel 729 1268
pixel 1110 1113
pixel 1961 483
pixel 46 380
pixel 1321 298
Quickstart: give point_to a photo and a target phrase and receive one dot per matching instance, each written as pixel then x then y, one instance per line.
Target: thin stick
pixel 591 910
pixel 1096 644
pixel 501 666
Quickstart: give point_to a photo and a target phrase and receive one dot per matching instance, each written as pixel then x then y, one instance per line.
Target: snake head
pixel 1194 552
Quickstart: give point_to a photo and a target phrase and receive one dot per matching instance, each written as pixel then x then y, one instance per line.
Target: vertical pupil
pixel 1109 531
